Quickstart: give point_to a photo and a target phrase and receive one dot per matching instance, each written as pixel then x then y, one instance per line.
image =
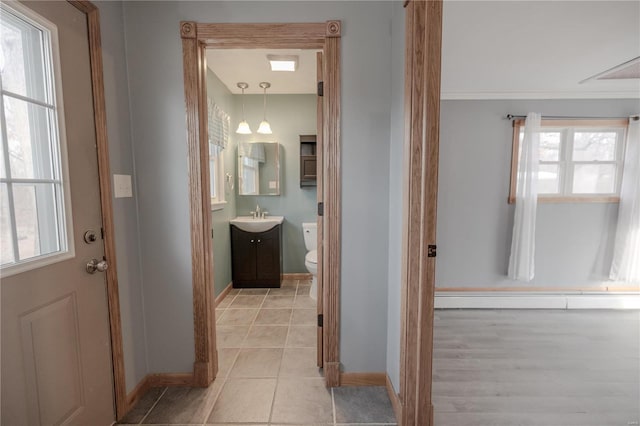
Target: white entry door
pixel 56 354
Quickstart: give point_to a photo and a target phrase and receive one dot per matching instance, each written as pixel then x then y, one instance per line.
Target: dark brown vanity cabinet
pixel 256 258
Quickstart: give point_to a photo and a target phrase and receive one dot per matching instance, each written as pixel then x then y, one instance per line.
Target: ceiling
pixel 493 50
pixel 252 66
pixel 537 49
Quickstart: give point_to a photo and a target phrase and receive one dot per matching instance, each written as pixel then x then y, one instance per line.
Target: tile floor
pixel 267 371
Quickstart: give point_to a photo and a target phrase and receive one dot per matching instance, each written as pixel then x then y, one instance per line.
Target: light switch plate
pixel 122 186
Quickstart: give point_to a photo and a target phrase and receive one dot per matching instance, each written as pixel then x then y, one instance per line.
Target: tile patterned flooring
pixel 267 373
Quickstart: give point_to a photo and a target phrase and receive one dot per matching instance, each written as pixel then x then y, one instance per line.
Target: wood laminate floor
pixel 536 368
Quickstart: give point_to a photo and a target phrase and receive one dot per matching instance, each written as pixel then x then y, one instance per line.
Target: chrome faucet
pixel 257 214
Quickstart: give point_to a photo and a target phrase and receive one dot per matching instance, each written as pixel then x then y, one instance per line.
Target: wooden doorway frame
pixel 196 37
pixel 423 45
pixel 104 172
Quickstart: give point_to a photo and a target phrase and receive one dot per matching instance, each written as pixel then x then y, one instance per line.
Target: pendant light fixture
pixel 265 127
pixel 243 126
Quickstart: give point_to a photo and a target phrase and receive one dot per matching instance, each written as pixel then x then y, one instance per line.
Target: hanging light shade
pixel 265 127
pixel 243 126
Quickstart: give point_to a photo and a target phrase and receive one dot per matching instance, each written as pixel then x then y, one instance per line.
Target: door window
pixel 35 214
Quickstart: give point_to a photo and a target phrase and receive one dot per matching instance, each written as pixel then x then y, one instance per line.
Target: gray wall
pixel 124 209
pixel 573 240
pixel 396 155
pixel 290 116
pixel 217 91
pixel 154 56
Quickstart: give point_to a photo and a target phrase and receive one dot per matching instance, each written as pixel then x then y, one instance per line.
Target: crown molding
pixel 552 94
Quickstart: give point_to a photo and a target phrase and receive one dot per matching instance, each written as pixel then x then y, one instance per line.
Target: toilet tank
pixel 310 232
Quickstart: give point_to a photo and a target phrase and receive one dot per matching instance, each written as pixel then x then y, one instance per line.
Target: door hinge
pixel 102 233
pixel 320 320
pixel 320 209
pixel 431 250
pixel 321 88
pixel 211 233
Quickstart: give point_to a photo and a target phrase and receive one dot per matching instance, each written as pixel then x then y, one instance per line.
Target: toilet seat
pixel 312 256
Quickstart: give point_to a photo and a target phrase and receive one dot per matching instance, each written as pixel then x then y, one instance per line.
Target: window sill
pixel 584 199
pixel 35 263
pixel 218 205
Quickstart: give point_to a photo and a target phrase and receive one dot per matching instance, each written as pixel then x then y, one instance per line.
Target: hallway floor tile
pixel 267 372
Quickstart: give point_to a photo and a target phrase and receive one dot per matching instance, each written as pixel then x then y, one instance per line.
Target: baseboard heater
pixel 536 300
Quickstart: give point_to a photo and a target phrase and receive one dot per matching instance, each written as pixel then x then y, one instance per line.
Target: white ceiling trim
pixel 551 94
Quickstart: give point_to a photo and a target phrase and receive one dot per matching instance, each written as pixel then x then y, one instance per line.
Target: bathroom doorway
pixel 323 38
pixel 264 133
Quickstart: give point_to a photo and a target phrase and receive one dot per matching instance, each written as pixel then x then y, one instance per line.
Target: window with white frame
pixel 218 128
pixel 216 174
pixel 35 212
pixel 580 160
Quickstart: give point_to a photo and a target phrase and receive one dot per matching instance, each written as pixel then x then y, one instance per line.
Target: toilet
pixel 310 232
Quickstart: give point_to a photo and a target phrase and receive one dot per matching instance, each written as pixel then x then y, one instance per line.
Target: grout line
pixel 333 407
pixel 213 405
pixel 291 317
pixel 154 405
pixel 275 390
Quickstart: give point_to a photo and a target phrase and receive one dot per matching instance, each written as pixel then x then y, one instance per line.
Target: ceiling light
pixel 283 62
pixel 626 70
pixel 265 127
pixel 243 126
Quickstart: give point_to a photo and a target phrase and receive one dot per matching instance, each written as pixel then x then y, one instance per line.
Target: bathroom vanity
pixel 256 257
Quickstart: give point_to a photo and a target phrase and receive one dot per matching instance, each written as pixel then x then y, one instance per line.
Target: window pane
pixel 214 152
pixel 548 179
pixel 36 219
pixel 212 175
pixel 594 178
pixel 6 240
pixel 3 173
pixel 21 58
pixel 550 146
pixel 594 146
pixel 29 139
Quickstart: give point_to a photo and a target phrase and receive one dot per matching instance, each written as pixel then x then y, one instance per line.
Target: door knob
pixel 94 265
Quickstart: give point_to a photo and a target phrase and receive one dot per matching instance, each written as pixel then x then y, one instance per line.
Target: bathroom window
pixel 35 211
pixel 216 175
pixel 219 123
pixel 580 160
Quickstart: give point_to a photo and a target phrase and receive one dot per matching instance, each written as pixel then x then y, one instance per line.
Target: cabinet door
pixel 243 249
pixel 308 167
pixel 268 255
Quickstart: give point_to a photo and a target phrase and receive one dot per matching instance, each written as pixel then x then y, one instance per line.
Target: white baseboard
pixel 504 300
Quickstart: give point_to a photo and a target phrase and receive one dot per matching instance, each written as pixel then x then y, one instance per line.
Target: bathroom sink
pixel 249 224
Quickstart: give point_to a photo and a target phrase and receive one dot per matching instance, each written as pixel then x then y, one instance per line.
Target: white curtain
pixel 521 260
pixel 626 254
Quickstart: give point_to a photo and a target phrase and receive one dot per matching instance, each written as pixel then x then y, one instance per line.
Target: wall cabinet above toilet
pixel 308 160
